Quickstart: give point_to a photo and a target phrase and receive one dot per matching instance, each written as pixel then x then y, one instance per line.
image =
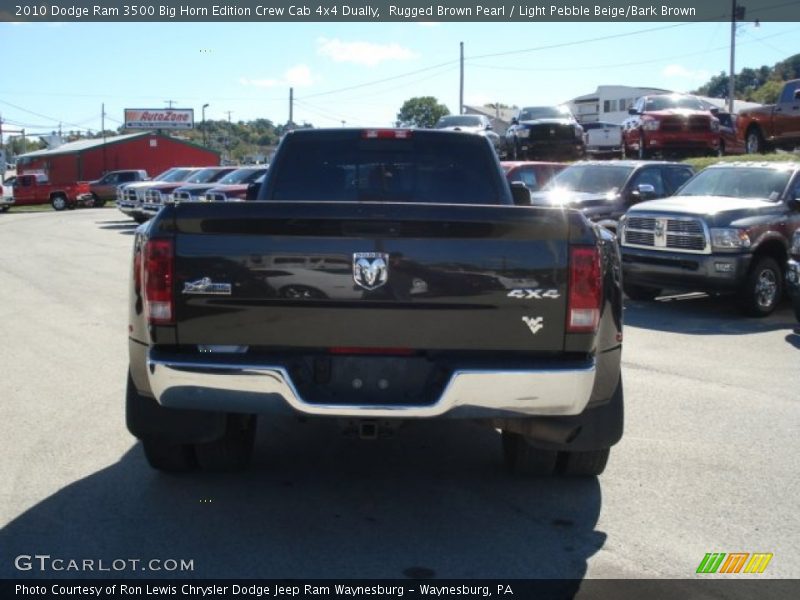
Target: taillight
pixel 386 134
pixel 585 290
pixel 158 275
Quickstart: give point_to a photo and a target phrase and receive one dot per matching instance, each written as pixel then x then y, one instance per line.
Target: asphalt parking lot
pixel 708 463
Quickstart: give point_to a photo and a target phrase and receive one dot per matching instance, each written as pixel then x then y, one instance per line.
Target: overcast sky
pixel 359 73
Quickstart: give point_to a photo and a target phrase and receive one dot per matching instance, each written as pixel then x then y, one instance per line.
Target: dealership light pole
pixel 205 106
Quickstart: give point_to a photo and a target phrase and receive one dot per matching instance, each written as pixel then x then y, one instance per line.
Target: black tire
pixel 515 150
pixel 754 141
pixel 523 459
pixel 59 202
pixel 139 219
pixel 163 455
pixel 643 154
pixel 640 292
pixel 4 208
pixel 796 307
pixel 582 464
pixel 234 450
pixel 169 457
pixel 96 202
pixel 721 149
pixel 763 287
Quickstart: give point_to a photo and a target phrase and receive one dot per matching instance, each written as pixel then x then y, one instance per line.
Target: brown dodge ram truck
pixel 728 229
pixel 774 125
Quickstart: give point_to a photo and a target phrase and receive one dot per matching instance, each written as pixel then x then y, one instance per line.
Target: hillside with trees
pixel 754 85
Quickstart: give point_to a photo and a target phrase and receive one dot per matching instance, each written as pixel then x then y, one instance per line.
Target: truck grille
pixel 683 234
pixel 152 197
pixel 694 123
pixel 551 132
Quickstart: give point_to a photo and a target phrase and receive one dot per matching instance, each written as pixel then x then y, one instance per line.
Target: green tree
pixel 767 93
pixel 421 111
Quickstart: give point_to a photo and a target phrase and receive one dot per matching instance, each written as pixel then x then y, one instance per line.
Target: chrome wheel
pixel 766 289
pixel 753 142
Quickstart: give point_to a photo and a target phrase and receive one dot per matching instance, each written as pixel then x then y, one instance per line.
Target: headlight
pixel 579 132
pixel 795 249
pixel 650 124
pixel 522 132
pixel 729 238
pixel 714 125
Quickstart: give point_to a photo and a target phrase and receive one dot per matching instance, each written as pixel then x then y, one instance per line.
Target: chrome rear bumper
pixel 255 388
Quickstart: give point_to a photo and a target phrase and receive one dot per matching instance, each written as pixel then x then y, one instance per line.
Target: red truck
pixel 675 124
pixel 35 189
pixel 774 125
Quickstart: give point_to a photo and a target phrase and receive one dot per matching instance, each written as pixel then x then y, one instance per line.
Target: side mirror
pixel 252 191
pixel 520 193
pixel 714 111
pixel 489 127
pixel 633 111
pixel 514 121
pixel 644 191
pixel 797 94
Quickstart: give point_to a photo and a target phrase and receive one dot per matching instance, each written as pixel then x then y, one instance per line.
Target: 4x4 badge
pixel 370 269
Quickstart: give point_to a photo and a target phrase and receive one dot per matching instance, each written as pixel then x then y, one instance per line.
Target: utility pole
pixel 291 107
pixel 170 102
pixel 461 86
pixel 228 112
pixel 103 130
pixel 737 13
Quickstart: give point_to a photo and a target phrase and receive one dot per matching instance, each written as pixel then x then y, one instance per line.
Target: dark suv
pixel 604 190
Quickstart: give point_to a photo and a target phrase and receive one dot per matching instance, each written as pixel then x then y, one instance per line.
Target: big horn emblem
pixel 370 269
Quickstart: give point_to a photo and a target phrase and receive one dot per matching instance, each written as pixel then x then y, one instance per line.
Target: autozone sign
pixel 159 118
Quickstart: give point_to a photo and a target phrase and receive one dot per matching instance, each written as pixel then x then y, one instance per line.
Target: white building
pixel 609 103
pixel 500 117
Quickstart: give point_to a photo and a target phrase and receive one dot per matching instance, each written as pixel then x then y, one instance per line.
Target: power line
pixel 627 64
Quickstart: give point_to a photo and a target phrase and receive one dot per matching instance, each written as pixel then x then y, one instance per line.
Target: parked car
pixel 29 189
pixel 544 133
pixel 603 139
pixel 774 125
pixel 728 229
pixel 793 273
pixel 604 190
pixel 130 196
pixel 478 124
pixel 729 141
pixel 105 189
pixel 233 187
pixel 7 194
pixel 534 174
pixel 196 191
pixel 676 124
pixel 423 226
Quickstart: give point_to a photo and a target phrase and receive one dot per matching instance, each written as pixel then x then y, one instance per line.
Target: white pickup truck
pixel 603 139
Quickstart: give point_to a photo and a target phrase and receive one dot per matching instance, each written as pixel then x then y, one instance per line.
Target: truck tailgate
pixel 440 277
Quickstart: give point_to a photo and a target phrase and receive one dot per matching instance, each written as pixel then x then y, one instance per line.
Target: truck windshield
pixel 175 175
pixel 241 176
pixel 593 179
pixel 207 175
pixel 738 182
pixel 458 121
pixel 673 101
pixel 532 113
pixel 433 168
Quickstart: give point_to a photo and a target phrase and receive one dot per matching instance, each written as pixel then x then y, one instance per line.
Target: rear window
pixel 423 168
